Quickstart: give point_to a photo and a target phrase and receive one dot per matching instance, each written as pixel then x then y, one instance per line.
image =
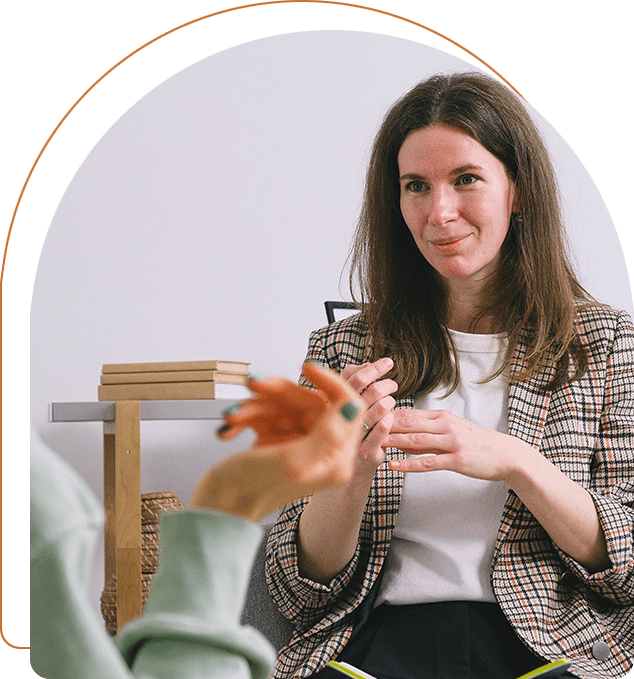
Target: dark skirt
pixel 447 640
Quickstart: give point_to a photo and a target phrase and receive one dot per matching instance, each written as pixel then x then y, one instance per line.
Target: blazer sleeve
pixel 304 602
pixel 612 472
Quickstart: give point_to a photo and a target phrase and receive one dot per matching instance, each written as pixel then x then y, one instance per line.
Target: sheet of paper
pixel 551 670
pixel 349 670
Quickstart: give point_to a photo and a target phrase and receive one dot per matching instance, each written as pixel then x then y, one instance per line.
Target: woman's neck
pixel 484 326
pixel 465 308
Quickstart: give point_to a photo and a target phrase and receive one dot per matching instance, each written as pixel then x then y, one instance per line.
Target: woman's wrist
pixel 363 475
pixel 522 463
pixel 565 510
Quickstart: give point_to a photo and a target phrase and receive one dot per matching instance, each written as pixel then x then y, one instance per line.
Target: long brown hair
pixel 535 292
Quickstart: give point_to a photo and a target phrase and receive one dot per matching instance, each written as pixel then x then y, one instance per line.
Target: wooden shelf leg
pixel 122 501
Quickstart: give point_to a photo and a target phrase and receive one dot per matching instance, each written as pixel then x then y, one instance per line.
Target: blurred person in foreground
pixel 306 441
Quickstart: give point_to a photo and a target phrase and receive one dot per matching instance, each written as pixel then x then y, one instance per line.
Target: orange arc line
pixel 83 96
pixel 414 23
pixel 8 643
pixel 208 16
pixel 110 70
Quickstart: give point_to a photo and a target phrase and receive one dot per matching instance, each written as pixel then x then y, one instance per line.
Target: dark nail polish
pixel 231 410
pixel 223 429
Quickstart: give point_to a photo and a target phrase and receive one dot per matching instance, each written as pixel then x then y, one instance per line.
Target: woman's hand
pixel 329 524
pixel 446 441
pixel 375 393
pixel 565 509
pixel 306 441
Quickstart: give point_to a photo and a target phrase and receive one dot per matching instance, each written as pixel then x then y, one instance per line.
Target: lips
pixel 449 243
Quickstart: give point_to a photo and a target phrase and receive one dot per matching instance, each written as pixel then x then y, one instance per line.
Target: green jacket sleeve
pixel 191 622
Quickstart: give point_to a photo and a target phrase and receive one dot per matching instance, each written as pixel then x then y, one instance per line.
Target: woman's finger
pixel 432 421
pixel 378 410
pixel 378 391
pixel 368 373
pixel 419 443
pixel 331 384
pixel 375 434
pixel 282 410
pixel 270 420
pixel 275 398
pixel 282 390
pixel 278 425
pixel 351 369
pixel 425 463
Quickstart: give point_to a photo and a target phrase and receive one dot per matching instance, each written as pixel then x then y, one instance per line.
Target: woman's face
pixel 456 199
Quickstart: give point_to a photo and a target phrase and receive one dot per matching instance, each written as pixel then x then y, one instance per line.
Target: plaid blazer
pixel 554 604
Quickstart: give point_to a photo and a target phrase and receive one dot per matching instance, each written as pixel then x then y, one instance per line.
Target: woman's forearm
pixel 565 509
pixel 329 528
pixel 330 523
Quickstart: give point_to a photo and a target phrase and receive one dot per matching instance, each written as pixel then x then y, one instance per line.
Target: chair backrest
pixel 348 309
pixel 259 610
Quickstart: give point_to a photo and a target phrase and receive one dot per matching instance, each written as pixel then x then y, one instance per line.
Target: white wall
pixel 213 220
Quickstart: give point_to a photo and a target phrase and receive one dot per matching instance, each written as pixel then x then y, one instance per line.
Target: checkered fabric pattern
pixel 554 604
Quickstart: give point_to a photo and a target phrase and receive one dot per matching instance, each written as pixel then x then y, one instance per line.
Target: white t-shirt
pixel 447 523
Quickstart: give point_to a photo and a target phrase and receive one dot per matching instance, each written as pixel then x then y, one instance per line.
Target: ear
pixel 516 204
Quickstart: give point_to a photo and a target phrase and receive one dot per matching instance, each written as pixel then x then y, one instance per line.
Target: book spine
pixel 225 366
pixel 175 376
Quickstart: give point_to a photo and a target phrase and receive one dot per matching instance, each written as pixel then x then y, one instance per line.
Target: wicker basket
pixel 150 548
pixel 109 600
pixel 152 506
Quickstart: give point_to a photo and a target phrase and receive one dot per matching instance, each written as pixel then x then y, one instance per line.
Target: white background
pixel 213 219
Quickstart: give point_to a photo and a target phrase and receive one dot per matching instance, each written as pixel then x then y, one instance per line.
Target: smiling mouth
pixel 451 244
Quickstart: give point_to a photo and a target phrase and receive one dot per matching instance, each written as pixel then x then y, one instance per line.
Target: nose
pixel 443 207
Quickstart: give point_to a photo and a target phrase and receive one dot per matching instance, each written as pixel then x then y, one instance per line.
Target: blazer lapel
pixel 527 409
pixel 528 401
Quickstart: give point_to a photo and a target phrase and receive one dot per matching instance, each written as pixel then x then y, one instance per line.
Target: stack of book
pixel 174 381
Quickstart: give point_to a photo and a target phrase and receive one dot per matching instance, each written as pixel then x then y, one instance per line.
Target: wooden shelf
pixel 122 479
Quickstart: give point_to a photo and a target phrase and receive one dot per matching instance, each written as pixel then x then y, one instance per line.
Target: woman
pixel 190 625
pixel 480 359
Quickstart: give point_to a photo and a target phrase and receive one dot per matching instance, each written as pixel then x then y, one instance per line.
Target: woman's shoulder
pixel 341 342
pixel 350 328
pixel 601 322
